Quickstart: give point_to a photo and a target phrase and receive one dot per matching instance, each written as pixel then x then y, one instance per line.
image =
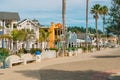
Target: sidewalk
pixel 14 72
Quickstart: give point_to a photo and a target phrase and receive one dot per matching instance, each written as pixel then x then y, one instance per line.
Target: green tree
pixel 63 23
pixel 103 13
pixel 95 10
pixel 4 53
pixel 41 36
pixel 44 37
pixel 113 22
pixel 28 35
pixel 17 35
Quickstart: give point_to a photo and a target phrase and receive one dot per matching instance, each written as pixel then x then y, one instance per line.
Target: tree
pixel 95 10
pixel 44 37
pixel 17 35
pixel 113 22
pixel 103 13
pixel 86 24
pixel 4 53
pixel 63 23
pixel 28 35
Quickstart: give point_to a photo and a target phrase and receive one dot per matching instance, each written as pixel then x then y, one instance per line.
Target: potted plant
pixel 4 53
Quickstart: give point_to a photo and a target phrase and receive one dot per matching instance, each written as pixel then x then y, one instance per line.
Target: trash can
pixel 37 53
pixel 38 56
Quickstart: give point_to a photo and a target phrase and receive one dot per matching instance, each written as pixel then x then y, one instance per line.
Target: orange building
pixel 55 32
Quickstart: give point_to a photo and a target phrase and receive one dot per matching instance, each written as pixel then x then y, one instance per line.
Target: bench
pixel 28 58
pixel 13 59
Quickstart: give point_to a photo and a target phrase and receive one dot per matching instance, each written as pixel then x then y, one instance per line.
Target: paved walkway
pixel 81 67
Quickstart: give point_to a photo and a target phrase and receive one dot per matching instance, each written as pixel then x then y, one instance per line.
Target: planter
pixel 75 53
pixel 80 51
pixel 70 53
pixel 93 50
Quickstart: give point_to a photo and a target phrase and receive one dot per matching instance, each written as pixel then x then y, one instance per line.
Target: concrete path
pixel 86 66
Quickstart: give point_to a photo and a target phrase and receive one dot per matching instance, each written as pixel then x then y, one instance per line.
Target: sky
pixel 47 11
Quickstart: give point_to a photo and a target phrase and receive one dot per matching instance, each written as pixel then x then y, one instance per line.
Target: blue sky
pixel 47 11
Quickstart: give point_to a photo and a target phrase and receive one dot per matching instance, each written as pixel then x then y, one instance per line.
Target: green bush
pixel 84 48
pixel 3 53
pixel 56 49
pixel 72 48
pixel 33 50
pixel 23 50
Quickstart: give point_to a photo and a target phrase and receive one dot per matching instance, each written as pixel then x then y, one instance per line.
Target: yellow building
pixel 55 32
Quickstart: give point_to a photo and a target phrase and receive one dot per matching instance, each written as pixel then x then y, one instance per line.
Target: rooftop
pixel 9 16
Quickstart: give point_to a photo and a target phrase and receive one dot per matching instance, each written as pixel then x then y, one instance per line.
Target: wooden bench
pixel 13 59
pixel 28 58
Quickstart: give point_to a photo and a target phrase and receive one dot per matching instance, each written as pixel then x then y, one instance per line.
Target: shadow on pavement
pixel 50 74
pixel 1 73
pixel 108 56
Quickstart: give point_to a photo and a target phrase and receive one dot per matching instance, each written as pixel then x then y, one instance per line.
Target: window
pixel 14 26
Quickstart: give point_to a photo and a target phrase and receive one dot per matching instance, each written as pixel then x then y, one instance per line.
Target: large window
pixel 14 26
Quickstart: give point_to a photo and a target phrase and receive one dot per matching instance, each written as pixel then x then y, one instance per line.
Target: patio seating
pixel 13 59
pixel 28 58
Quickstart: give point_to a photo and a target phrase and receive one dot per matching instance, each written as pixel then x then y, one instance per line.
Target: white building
pixel 8 21
pixel 29 25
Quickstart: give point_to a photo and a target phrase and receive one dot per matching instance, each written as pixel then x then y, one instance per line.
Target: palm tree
pixel 63 22
pixel 41 36
pixel 103 13
pixel 95 10
pixel 116 1
pixel 28 35
pixel 15 36
pixel 86 23
pixel 44 37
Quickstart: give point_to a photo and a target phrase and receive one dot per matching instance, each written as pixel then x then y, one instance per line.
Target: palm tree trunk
pixel 103 24
pixel 63 22
pixel 97 40
pixel 86 24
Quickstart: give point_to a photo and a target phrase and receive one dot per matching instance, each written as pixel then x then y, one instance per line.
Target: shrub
pixel 84 48
pixel 33 50
pixel 23 50
pixel 3 53
pixel 56 49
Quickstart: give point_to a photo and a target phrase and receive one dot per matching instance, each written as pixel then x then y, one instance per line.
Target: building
pixel 32 37
pixel 55 34
pixel 8 21
pixel 71 39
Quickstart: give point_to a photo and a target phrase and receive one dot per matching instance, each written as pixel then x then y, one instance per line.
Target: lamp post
pixel 86 25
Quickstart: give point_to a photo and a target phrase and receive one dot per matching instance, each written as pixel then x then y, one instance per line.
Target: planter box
pixel 70 53
pixel 48 54
pixel 80 51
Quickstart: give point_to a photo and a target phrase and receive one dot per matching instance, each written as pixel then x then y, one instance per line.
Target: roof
pixel 9 16
pixel 28 21
pixel 81 36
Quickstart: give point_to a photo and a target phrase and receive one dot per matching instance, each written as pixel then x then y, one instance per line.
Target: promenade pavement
pixel 86 66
